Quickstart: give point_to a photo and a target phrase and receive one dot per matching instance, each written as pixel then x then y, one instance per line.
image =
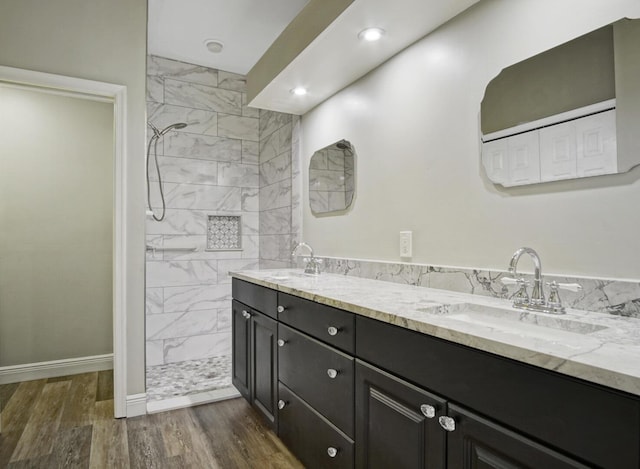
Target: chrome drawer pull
pixel 281 343
pixel 281 404
pixel 332 330
pixel 332 373
pixel 332 452
pixel 281 309
pixel 246 314
pixel 447 423
pixel 428 411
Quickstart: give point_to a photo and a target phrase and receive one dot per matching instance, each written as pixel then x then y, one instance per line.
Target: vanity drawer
pixel 317 320
pixel 260 298
pixel 590 422
pixel 306 366
pixel 311 437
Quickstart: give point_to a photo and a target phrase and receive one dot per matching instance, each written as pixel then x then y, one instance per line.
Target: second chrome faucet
pixel 313 264
pixel 537 301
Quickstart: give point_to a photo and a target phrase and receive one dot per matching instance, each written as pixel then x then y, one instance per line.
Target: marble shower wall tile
pixel 202 97
pixel 196 297
pixel 168 68
pixel 276 195
pixel 200 197
pixel 276 221
pixel 232 81
pixel 250 152
pixel 197 347
pixel 605 296
pixel 270 121
pixel 205 147
pixel 174 273
pixel 208 168
pixel 296 182
pixel 276 169
pixel 198 121
pixel 174 325
pixel 245 128
pixel 239 175
pixel 275 144
pixel 186 170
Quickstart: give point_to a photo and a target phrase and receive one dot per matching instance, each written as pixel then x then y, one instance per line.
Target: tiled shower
pixel 230 181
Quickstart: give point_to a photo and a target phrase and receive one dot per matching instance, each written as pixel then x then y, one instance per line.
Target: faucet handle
pixel 574 287
pixel 514 281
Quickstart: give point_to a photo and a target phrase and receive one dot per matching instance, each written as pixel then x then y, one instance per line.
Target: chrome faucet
pixel 536 302
pixel 537 295
pixel 313 265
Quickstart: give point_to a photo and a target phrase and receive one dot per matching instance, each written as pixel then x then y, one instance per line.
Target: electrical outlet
pixel 405 243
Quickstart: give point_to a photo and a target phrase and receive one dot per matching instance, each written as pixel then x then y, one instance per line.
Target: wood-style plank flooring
pixel 68 422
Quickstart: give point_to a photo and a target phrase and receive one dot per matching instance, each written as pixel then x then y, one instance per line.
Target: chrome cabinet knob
pixel 332 330
pixel 447 423
pixel 332 452
pixel 281 404
pixel 281 343
pixel 246 314
pixel 332 373
pixel 428 411
pixel 281 309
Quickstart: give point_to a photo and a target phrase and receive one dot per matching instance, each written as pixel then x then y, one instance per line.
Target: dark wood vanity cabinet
pixel 254 364
pixel 383 406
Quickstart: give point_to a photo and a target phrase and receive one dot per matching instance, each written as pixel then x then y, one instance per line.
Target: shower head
pixel 343 145
pixel 159 133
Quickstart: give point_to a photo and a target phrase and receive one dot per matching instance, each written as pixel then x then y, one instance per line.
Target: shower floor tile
pixel 188 377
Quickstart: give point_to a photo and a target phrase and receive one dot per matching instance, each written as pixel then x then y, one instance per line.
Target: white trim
pixel 552 120
pixel 54 368
pixel 117 94
pixel 190 400
pixel 136 404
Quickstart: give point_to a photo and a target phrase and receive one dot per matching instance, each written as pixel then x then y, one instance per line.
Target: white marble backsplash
pixel 616 297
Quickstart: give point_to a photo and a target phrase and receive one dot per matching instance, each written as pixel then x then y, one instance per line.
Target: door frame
pixel 117 95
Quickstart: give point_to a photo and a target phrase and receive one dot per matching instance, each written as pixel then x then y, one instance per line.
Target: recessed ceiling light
pixel 371 34
pixel 299 91
pixel 214 46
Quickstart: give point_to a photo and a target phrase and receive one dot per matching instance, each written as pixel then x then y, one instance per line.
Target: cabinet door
pixel 558 152
pixel 479 443
pixel 264 377
pixel 396 423
pixel 596 144
pixel 524 158
pixel 240 345
pixel 495 158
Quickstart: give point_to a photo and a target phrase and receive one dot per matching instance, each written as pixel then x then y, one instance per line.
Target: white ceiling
pixel 178 29
pixel 336 58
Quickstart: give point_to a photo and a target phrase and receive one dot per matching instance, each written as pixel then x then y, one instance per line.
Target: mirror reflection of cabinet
pixel 332 178
pixel 570 112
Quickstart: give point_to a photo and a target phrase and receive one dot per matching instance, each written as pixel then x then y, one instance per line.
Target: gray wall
pixel 56 206
pixel 102 40
pixel 415 124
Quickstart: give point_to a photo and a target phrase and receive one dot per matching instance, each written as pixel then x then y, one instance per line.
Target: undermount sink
pixel 503 318
pixel 282 276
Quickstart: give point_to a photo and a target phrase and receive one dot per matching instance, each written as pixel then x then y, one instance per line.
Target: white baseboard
pixel 136 404
pixel 55 368
pixel 192 400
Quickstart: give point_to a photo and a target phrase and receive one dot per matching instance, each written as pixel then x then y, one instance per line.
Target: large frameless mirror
pixel 332 178
pixel 569 112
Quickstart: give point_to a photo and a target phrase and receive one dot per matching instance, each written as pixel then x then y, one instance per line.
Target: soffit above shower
pixel 336 57
pixel 178 30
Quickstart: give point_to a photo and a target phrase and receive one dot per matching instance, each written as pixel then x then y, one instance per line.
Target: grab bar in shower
pixel 169 248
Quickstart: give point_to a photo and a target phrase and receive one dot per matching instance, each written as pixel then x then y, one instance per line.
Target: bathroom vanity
pixel 352 372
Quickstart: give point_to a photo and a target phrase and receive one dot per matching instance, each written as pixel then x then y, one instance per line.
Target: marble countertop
pixel 596 347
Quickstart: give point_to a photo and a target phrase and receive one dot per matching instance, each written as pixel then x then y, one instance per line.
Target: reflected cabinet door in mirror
pixel 570 112
pixel 332 178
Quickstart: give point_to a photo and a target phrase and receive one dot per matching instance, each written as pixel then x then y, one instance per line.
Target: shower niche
pixel 332 178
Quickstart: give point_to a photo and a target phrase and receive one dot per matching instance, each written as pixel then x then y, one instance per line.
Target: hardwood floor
pixel 68 422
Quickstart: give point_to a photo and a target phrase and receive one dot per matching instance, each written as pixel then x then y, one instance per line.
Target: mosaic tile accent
pixel 224 233
pixel 188 377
